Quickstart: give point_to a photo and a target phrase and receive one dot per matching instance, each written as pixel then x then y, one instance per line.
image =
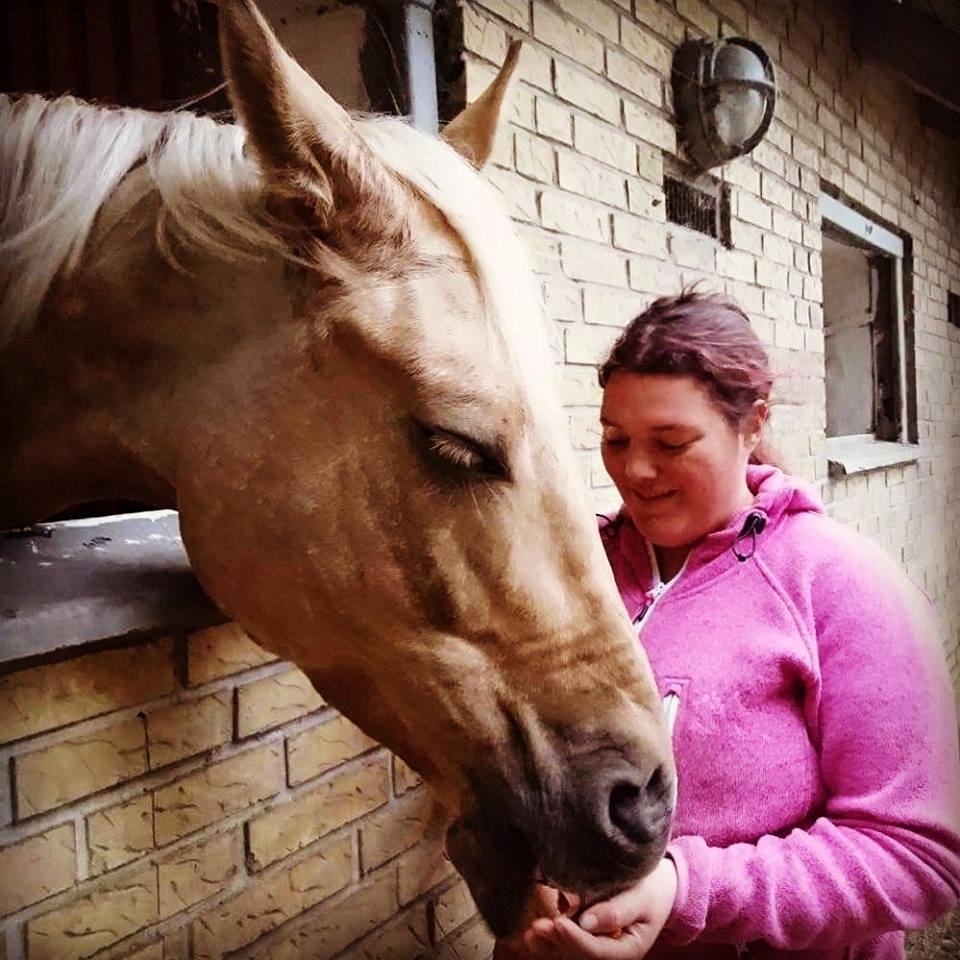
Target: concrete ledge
pixel 66 584
pixel 861 453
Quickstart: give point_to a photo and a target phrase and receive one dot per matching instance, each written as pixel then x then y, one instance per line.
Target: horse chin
pixel 499 867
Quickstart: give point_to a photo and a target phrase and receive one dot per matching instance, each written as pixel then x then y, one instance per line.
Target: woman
pixel 818 809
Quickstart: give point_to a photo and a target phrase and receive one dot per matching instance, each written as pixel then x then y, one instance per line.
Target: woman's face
pixel 678 464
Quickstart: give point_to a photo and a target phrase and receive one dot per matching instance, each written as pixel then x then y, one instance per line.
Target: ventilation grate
pixel 706 211
pixel 953 309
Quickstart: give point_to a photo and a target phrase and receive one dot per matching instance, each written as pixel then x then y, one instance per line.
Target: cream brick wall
pixel 598 237
pixel 193 798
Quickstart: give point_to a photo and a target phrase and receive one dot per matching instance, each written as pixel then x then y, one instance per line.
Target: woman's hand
pixel 622 928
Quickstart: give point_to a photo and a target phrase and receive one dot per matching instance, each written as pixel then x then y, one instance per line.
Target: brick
pixel 691 250
pixel 421 869
pixel 562 300
pixel 753 210
pixel 535 158
pixel 119 834
pixel 643 45
pixel 152 952
pixel 483 36
pixel 323 747
pixel 776 192
pixel 609 306
pixel 43 865
pixel 94 922
pixel 567 37
pixel 645 124
pixel 189 728
pixel 274 899
pixel 582 260
pixel 80 766
pixel 472 942
pixel 647 200
pixel 777 249
pixel 779 307
pixel 592 95
pixel 699 14
pixel 274 700
pixel 198 872
pixel 650 165
pixel 589 180
pixel 394 828
pixel 604 144
pixel 736 264
pixel 574 215
pixel 638 80
pixel 516 12
pixel 596 14
pixel 518 194
pixel 400 939
pixel 772 275
pixel 299 822
pixel 536 67
pixel 652 276
pixel 43 698
pixel 454 906
pixel 588 344
pixel 404 777
pixel 221 652
pixel 660 18
pixel 328 933
pixel 553 121
pixel 636 234
pixel 217 791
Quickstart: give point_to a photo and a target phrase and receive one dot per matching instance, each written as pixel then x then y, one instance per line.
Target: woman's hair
pixel 707 336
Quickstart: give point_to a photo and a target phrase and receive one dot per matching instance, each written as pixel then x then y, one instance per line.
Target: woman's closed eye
pixel 676 447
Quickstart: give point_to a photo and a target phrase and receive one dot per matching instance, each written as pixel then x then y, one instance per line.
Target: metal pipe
pixel 420 64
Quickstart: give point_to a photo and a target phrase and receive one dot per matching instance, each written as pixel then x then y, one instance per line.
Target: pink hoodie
pixel 818 809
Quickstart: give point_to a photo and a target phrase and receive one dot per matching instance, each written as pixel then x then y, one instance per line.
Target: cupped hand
pixel 622 928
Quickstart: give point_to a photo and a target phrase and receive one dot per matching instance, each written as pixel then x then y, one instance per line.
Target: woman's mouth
pixel 653 497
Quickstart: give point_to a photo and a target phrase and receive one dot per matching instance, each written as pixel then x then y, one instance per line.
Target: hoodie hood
pixel 776 497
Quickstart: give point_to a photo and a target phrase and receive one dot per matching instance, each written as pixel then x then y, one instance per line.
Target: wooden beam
pixel 916 44
pixel 935 115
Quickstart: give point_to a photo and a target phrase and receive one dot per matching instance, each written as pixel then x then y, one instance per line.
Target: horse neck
pixel 95 398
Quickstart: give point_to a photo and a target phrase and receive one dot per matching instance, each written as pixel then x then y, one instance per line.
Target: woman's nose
pixel 640 467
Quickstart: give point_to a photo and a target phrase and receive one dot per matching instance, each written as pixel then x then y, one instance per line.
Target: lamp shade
pixel 725 92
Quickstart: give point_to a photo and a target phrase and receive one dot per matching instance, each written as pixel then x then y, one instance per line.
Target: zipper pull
pixel 649 599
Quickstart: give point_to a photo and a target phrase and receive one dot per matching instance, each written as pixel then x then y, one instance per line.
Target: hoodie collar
pixel 776 495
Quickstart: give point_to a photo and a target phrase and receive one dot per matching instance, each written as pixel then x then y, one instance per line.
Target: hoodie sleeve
pixel 885 852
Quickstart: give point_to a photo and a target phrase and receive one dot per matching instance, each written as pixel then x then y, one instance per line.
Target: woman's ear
pixel 754 422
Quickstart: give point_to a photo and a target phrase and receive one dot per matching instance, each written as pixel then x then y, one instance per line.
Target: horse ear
pixel 473 132
pixel 304 140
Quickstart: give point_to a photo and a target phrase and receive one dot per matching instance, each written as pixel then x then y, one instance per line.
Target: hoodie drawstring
pixel 752 526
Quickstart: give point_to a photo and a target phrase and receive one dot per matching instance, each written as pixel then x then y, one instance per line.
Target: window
pixel 953 309
pixel 869 409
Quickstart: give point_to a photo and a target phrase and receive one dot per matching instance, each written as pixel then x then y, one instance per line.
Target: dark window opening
pixel 953 309
pixel 705 210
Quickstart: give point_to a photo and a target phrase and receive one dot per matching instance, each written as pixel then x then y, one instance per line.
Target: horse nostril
pixel 637 811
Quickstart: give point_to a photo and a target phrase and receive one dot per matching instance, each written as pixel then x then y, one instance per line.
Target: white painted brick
pixel 582 260
pixel 699 14
pixel 736 264
pixel 646 199
pixel 571 214
pixel 536 67
pixel 611 306
pixel 776 192
pixel 692 250
pixel 588 343
pixel 554 121
pixel 778 249
pixel 642 122
pixel 753 210
pixel 638 80
pixel 746 237
pixel 563 300
pixel 535 158
pixel 483 36
pixel 772 275
pixel 742 173
pixel 592 95
pixel 650 164
pixel 659 18
pixel 579 175
pixel 779 307
pixel 636 234
pixel 568 37
pixel 605 144
pixel 639 42
pixel 788 226
pixel 516 12
pixel 596 14
pixel 519 195
pixel 653 276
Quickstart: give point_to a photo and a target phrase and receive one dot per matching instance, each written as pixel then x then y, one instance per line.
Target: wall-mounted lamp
pixel 724 92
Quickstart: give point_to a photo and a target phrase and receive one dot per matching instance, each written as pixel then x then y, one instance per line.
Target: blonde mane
pixel 60 160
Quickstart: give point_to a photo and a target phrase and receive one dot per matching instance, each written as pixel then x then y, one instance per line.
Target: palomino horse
pixel 315 337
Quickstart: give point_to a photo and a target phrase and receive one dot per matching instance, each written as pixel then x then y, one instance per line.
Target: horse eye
pixel 459 454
